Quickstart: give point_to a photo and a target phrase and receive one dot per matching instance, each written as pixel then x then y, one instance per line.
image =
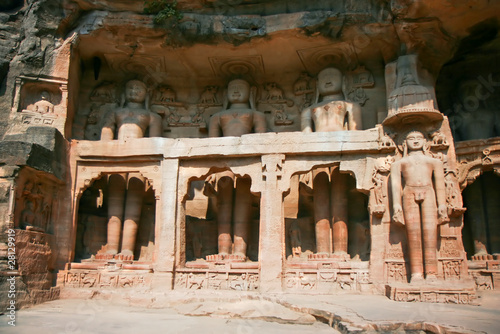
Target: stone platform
pixel 226 311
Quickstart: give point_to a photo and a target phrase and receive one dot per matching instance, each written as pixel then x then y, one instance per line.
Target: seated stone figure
pixel 333 112
pixel 133 119
pixel 126 191
pixel 234 200
pixel 44 106
pixel 419 203
pixel 329 187
pixel 241 117
pixel 28 218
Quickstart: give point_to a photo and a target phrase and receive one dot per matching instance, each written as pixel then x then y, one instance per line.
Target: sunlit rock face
pixel 265 146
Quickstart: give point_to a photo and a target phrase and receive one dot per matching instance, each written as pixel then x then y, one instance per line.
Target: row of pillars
pixel 271 223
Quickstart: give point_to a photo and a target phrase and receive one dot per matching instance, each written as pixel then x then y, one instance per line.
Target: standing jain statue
pixel 234 200
pixel 419 203
pixel 329 188
pixel 133 120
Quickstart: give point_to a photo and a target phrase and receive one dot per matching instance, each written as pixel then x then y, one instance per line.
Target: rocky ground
pixel 223 312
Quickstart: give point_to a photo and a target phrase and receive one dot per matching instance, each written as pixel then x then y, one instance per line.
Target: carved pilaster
pixel 271 245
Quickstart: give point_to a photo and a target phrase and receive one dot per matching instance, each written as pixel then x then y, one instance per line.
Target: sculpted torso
pixel 330 117
pixel 236 123
pixel 418 170
pixel 240 118
pixel 132 123
pixel 133 120
pixel 333 113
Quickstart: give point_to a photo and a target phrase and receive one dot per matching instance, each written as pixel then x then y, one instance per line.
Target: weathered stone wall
pixel 79 51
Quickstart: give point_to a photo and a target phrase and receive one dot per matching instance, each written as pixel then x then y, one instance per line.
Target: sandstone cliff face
pixel 73 43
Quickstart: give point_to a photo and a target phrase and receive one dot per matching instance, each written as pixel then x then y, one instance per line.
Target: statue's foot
pixel 125 255
pixel 237 257
pixel 431 278
pixel 105 253
pixel 216 257
pixel 341 256
pixel 416 279
pixel 482 255
pixel 318 256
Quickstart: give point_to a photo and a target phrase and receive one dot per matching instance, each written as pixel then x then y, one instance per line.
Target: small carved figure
pixel 44 106
pixel 198 117
pixel 379 194
pixel 438 138
pixel 302 84
pixel 209 95
pixel 165 94
pixel 306 282
pixel 274 93
pixel 281 118
pixel 173 117
pixel 195 282
pixel 28 216
pixel 453 197
pixel 88 281
pixel 419 202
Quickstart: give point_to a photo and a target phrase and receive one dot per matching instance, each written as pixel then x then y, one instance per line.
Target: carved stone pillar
pixel 271 243
pixel 165 223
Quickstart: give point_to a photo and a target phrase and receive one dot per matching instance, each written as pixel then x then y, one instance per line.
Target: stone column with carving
pixel 271 243
pixel 164 259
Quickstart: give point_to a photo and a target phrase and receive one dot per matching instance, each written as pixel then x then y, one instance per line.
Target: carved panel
pixel 245 281
pixel 396 272
pixel 230 66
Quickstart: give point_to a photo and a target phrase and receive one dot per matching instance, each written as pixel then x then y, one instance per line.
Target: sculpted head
pixel 135 91
pixel 45 95
pixel 238 91
pixel 415 140
pixel 329 81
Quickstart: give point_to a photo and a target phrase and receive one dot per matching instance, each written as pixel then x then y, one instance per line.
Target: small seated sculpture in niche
pixel 234 199
pixel 132 120
pixel 274 93
pixel 44 106
pixel 241 117
pixel 209 95
pixel 165 94
pixel 419 203
pixel 29 218
pixel 329 188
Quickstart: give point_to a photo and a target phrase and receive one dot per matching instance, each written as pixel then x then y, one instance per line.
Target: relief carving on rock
pixel 132 119
pixel 35 200
pixel 40 102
